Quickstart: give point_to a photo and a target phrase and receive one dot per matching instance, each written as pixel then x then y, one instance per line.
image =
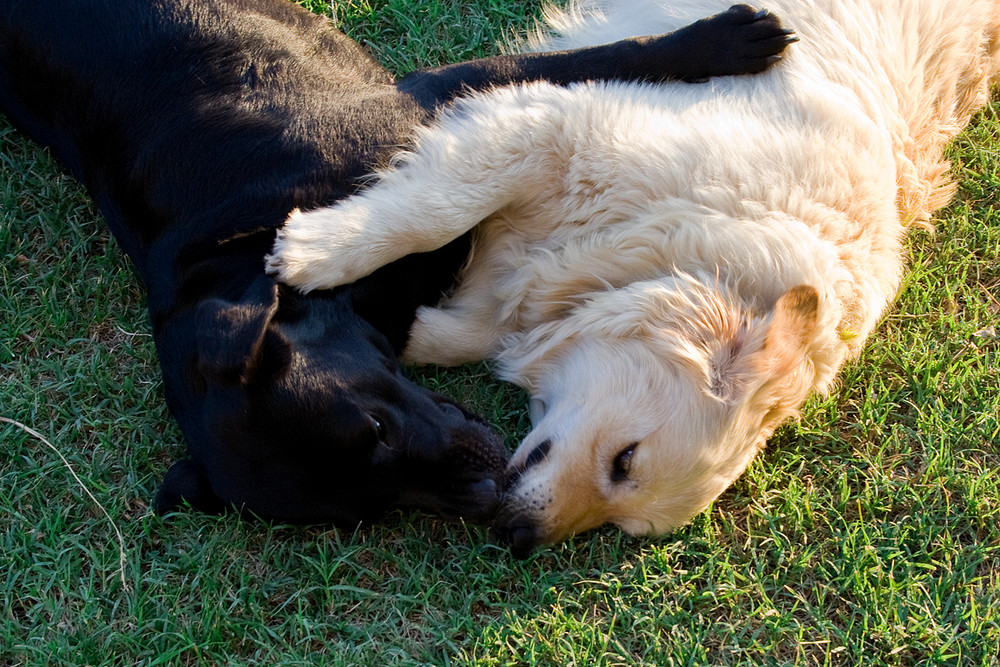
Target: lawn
pixel 869 533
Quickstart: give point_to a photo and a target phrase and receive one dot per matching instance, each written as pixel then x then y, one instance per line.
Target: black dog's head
pixel 295 409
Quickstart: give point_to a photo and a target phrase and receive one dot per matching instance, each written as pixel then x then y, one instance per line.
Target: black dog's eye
pixel 622 463
pixel 379 427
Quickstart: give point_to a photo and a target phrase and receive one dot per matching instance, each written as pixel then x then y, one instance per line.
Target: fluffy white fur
pixel 676 265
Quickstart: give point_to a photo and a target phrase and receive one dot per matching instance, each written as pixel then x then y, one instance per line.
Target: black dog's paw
pixel 740 40
pixel 758 38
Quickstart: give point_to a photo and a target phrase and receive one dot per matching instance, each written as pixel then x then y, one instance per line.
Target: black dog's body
pixel 197 126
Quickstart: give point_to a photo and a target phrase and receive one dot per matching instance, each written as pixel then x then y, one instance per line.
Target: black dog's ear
pixel 235 343
pixel 184 482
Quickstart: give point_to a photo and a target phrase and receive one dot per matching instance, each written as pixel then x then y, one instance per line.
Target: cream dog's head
pixel 648 401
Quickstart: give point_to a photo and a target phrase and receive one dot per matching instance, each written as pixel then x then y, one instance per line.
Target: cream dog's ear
pixel 731 370
pixel 529 354
pixel 767 354
pixel 792 329
pixel 785 357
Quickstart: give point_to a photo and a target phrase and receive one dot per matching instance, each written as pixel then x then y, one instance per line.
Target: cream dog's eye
pixel 622 463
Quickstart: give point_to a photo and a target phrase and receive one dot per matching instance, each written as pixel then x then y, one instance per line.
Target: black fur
pixel 197 125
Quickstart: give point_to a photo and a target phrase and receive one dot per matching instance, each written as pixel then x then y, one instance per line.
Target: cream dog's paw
pixel 312 252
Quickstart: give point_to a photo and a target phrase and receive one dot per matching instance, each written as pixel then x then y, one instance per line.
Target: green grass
pixel 868 534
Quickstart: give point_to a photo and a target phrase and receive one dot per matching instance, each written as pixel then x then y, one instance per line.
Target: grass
pixel 869 533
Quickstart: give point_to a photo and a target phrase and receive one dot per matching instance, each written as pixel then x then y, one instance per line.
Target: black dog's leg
pixel 741 40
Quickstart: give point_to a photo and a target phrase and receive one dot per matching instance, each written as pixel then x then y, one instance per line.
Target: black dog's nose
pixel 519 533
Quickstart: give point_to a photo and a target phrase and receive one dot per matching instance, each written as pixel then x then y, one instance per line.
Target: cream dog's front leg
pixel 465 167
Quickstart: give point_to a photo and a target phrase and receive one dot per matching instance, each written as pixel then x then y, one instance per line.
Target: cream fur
pixel 675 265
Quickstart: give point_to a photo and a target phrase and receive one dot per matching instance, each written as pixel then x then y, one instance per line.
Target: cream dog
pixel 670 270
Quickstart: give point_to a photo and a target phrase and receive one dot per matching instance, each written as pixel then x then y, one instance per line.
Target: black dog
pixel 197 125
